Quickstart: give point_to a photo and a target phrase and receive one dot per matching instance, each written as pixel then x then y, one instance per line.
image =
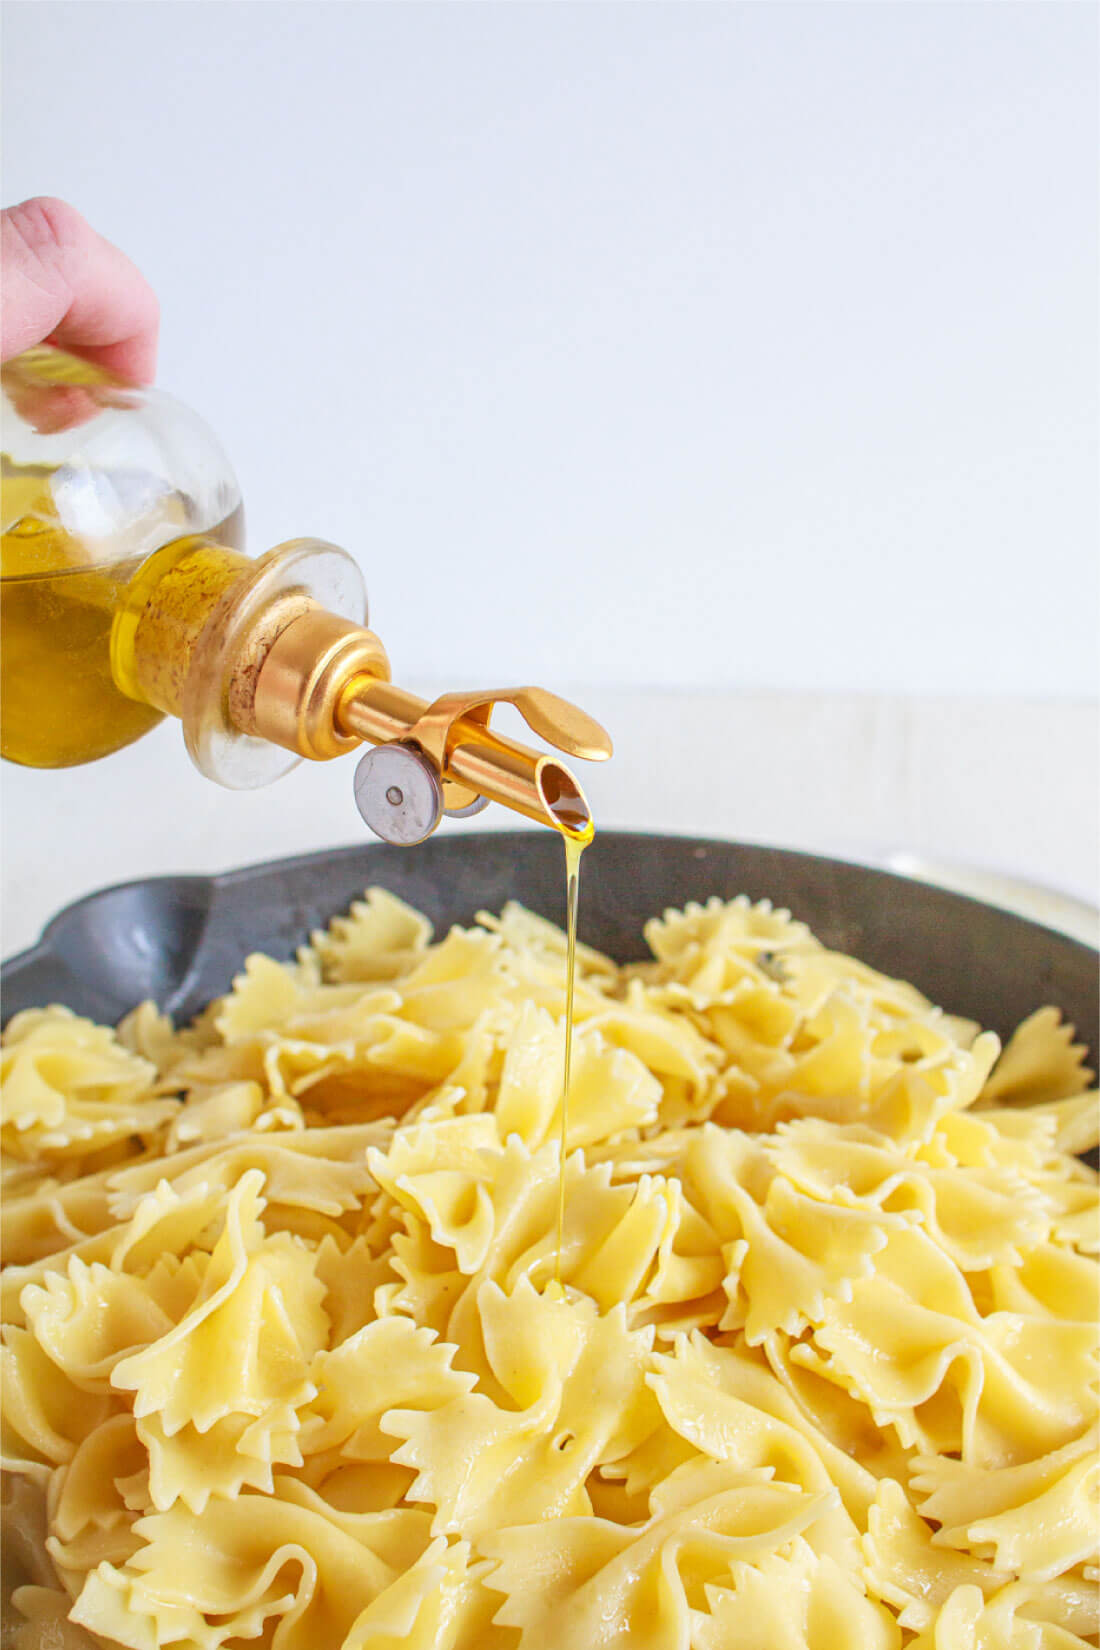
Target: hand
pixel 66 285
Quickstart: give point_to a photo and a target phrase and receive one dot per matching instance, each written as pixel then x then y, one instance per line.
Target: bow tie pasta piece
pixel 1076 1120
pixel 14 1279
pixel 226 1108
pixel 442 1174
pixel 234 1453
pixel 1037 1520
pixel 1071 1200
pixel 91 1317
pixel 245 1344
pixel 1041 1063
pixel 911 1345
pixel 683 1059
pixel 101 1486
pixel 438 1603
pixel 611 1090
pixel 569 1396
pixel 165 1221
pixel 381 938
pixel 479 1211
pixel 152 1035
pixel 711 947
pixel 454 981
pixel 1050 1279
pixel 804 1601
pixel 902 1568
pixel 49 1216
pixel 1007 1621
pixel 786 1253
pixel 732 1408
pixel 579 1582
pixel 1021 1141
pixel 68 1087
pixel 319 1169
pixel 249 1561
pixel 826 1064
pixel 532 940
pixel 533 959
pixel 1040 1138
pixel 44 1416
pixel 983 1217
pixel 45 1612
pixel 828 1529
pixel 686 1289
pixel 279 999
pixel 913 1097
pixel 352 1275
pixel 157 1221
pixel 334 1046
pixel 389 1364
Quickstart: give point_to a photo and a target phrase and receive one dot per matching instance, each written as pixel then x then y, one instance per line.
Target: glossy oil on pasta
pixel 285 1364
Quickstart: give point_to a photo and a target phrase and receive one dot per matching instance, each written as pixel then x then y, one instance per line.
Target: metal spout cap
pixel 399 794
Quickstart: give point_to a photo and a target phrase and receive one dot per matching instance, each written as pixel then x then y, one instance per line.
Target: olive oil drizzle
pixel 574 848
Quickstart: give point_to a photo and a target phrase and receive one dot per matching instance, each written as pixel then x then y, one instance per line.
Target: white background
pixel 708 350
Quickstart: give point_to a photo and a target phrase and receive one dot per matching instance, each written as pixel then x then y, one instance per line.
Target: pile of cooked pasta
pixel 285 1361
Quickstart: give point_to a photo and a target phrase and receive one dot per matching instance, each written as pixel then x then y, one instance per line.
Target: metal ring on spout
pixel 477 806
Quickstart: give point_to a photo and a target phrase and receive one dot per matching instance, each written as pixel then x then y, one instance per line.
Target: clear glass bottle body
pixel 96 476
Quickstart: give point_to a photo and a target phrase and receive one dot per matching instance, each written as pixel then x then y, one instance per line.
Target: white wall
pixel 699 344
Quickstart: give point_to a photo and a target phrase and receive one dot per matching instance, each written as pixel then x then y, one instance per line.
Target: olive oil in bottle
pixel 95 476
pixel 59 701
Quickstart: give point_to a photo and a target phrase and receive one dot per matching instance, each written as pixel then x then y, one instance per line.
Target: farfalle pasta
pixel 291 1359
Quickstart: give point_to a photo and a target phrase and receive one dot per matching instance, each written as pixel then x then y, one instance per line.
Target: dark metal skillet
pixel 181 939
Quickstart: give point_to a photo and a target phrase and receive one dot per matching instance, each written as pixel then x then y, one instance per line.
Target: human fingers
pixel 64 283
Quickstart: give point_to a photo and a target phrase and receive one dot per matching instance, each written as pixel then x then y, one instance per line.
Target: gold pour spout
pixel 324 685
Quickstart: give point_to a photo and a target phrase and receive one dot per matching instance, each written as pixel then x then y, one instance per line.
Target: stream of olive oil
pixel 574 848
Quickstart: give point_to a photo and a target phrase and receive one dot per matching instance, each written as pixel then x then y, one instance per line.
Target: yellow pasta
pixel 286 1362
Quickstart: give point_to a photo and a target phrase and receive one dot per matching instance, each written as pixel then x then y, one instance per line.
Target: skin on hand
pixel 64 284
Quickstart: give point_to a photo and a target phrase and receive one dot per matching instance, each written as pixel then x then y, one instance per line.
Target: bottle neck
pixel 195 627
pixel 168 605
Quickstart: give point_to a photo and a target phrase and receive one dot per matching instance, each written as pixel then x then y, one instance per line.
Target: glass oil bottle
pixel 126 595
